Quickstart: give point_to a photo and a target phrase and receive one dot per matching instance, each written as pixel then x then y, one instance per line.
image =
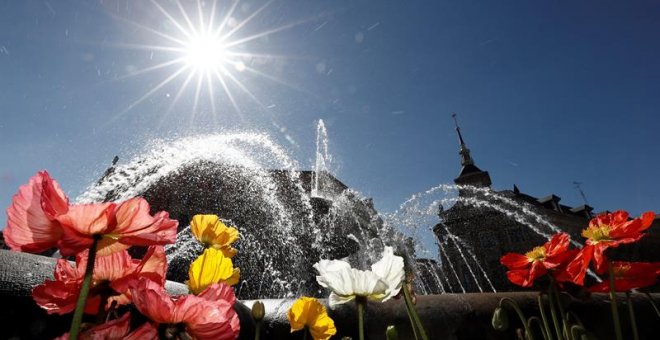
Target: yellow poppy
pixel 309 312
pixel 209 230
pixel 209 268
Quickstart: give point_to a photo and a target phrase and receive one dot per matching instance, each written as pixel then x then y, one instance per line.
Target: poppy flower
pixel 629 276
pixel 309 312
pixel 605 231
pixel 110 280
pixel 31 217
pixel 212 232
pixel 209 315
pixel 118 226
pixel 209 268
pixel 524 269
pixel 41 218
pixel 117 329
pixel 381 283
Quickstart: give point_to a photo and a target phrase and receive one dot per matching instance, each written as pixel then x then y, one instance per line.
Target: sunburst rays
pixel 204 55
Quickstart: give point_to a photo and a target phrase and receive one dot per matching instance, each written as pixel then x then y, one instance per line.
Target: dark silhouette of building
pixel 486 224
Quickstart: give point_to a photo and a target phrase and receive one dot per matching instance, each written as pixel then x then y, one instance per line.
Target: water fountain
pixel 289 218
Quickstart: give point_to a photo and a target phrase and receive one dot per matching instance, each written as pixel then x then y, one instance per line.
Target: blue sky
pixel 547 92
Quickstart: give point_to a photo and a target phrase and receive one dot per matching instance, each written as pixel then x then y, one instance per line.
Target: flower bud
pixel 500 319
pixel 391 333
pixel 258 311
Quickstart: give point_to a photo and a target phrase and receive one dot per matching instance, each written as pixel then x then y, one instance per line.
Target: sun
pixel 206 51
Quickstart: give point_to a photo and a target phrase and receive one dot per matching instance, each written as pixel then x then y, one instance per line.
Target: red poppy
pixel 119 226
pixel 111 278
pixel 209 315
pixel 603 232
pixel 629 276
pixel 524 269
pixel 31 224
pixel 117 329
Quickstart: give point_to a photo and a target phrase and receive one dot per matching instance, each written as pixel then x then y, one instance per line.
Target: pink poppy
pixel 110 279
pixel 209 315
pixel 41 218
pixel 117 226
pixel 31 217
pixel 117 329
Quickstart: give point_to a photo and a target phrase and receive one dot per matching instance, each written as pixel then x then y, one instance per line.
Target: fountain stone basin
pixel 446 316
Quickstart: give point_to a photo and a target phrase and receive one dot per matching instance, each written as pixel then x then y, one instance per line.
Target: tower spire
pixel 466 159
pixel 470 174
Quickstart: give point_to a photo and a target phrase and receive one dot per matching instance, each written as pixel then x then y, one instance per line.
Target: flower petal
pixel 145 332
pixel 390 270
pixel 29 227
pixel 515 261
pixel 336 299
pixel 116 329
pixel 335 275
pixel 309 312
pixel 209 268
pixel 151 300
pixel 81 223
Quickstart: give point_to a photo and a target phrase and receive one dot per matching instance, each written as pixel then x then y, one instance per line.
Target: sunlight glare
pixel 204 53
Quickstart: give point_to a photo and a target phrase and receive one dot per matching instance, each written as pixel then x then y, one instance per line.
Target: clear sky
pixel 547 92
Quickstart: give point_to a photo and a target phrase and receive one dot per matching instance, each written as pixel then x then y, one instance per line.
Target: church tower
pixel 470 174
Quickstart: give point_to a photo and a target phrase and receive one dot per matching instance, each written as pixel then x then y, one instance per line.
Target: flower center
pixel 597 234
pixel 537 254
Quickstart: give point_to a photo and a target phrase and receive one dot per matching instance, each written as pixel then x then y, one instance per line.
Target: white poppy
pixel 381 283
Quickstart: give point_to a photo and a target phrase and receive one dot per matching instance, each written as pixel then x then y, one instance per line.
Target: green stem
pixel 305 331
pixel 615 310
pixel 412 322
pixel 257 330
pixel 631 312
pixel 575 317
pixel 84 291
pixel 413 313
pixel 648 296
pixel 521 316
pixel 540 325
pixel 558 298
pixel 564 319
pixel 544 317
pixel 553 313
pixel 577 331
pixel 361 302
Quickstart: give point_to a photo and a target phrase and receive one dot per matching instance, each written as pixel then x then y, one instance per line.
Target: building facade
pixel 485 224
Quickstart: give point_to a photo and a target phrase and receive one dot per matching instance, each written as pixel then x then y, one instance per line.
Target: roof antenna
pixel 579 188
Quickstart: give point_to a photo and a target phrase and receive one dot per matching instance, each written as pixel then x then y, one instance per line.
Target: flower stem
pixel 412 323
pixel 535 319
pixel 544 317
pixel 257 330
pixel 521 316
pixel 631 313
pixel 361 303
pixel 615 310
pixel 413 313
pixel 553 313
pixel 84 291
pixel 650 298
